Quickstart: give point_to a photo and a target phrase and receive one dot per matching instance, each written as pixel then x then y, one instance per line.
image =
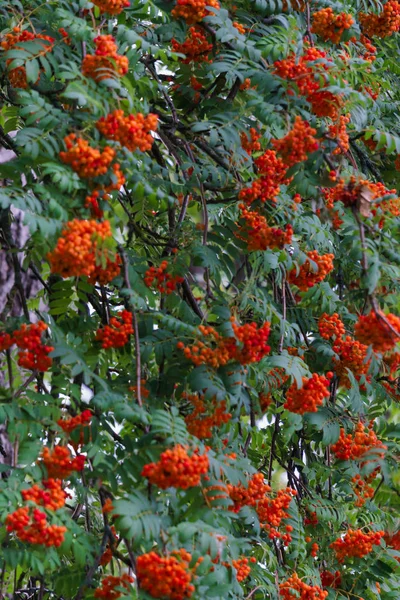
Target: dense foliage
pixel 199 341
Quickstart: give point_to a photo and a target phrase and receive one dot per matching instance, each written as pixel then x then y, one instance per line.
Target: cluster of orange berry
pixel 257 233
pixel 384 24
pixel 132 131
pixel 105 62
pixel 356 543
pixel 332 580
pixel 166 577
pixel 82 250
pixel 330 26
pixel 331 326
pixel 250 141
pixel 51 496
pixel 362 489
pixel 109 584
pixel 267 187
pixel 294 588
pixel 193 11
pixel 242 567
pixel 108 553
pixel 338 132
pixel 353 446
pixel 112 7
pixel 349 194
pixel 166 282
pixel 116 334
pixel 196 47
pixel 306 277
pixel 82 420
pixel 88 162
pixel 17 76
pixel 393 540
pixel 60 464
pixel 239 27
pixel 352 356
pixel 30 525
pixel 176 468
pixel 378 330
pixel 33 354
pixel 202 419
pixel 297 144
pixel 309 397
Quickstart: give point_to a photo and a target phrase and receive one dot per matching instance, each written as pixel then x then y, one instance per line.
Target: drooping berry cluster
pixel 176 468
pixel 257 233
pixel 166 577
pixel 354 446
pixel 116 334
pixel 250 141
pixel 338 132
pixel 331 327
pixel 164 282
pixel 88 162
pixel 60 464
pixel 297 144
pixel 203 418
pixel 105 62
pixel 30 526
pixel 242 567
pixel 332 580
pixel 109 584
pixel 33 354
pixel 82 420
pixel 111 7
pixel 132 131
pixel 378 330
pixel 306 277
pixel 273 175
pixel 17 76
pixel 196 47
pixel 294 588
pixel 50 496
pixel 330 26
pixel 193 11
pixel 384 24
pixel 82 250
pixel 356 543
pixel 350 194
pixel 362 489
pixel 309 397
pixel 352 356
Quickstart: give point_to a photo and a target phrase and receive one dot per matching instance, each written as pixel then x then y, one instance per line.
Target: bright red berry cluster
pixel 166 577
pixel 331 327
pixel 111 7
pixel 338 132
pixel 297 144
pixel 176 468
pixel 378 330
pixel 306 277
pixel 82 420
pixel 294 588
pixel 250 141
pixel 105 62
pixel 116 334
pixel 273 175
pixel 193 11
pixel 309 397
pixel 50 496
pixel 33 354
pixel 352 356
pixel 356 543
pixel 132 131
pixel 253 341
pixel 109 584
pixel 330 26
pixel 60 464
pixel 257 233
pixel 82 250
pixel 30 525
pixel 17 76
pixel 354 446
pixel 165 282
pixel 196 47
pixel 332 580
pixel 203 418
pixel 384 24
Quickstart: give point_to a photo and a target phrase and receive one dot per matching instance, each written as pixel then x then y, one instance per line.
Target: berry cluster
pixel 30 525
pixel 177 469
pixel 393 540
pixel 354 446
pixel 51 496
pixel 59 462
pixel 105 62
pixel 116 334
pixel 253 341
pixel 257 233
pixel 111 7
pixel 86 161
pixel 332 580
pixel 242 567
pixel 82 250
pixel 384 24
pixel 250 141
pixel 294 588
pixel 133 132
pixel 109 584
pixel 352 356
pixel 297 144
pixel 33 354
pixel 356 543
pixel 273 175
pixel 309 397
pixel 165 282
pixel 338 132
pixel 82 420
pixel 378 330
pixel 330 26
pixel 362 490
pixel 196 47
pixel 193 11
pixel 306 277
pixel 331 327
pixel 203 418
pixel 165 577
pixel 17 76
